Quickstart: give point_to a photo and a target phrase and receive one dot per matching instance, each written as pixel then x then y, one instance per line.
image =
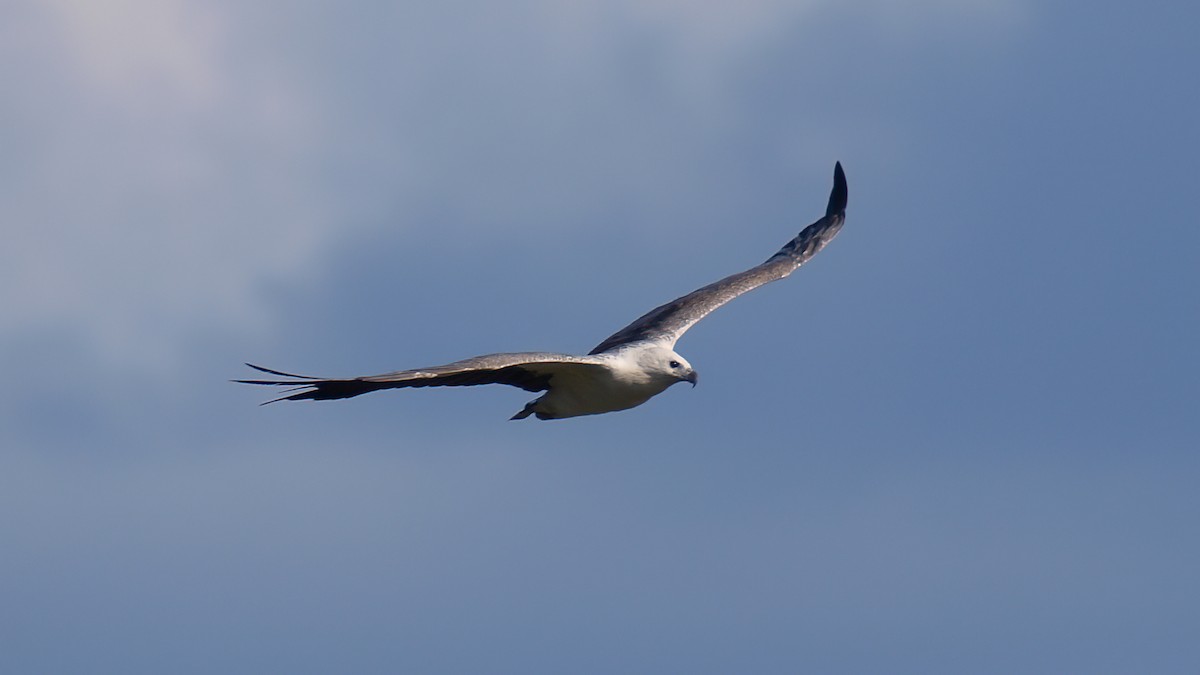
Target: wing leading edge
pixel 668 322
pixel 531 371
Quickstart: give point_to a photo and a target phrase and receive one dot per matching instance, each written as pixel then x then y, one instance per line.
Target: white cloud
pixel 138 48
pixel 157 179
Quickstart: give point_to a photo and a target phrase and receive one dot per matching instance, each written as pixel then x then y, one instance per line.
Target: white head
pixel 664 365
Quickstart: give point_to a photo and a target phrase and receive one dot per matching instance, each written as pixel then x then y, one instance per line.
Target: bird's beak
pixel 693 377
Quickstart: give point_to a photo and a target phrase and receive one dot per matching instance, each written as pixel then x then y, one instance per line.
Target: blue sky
pixel 962 439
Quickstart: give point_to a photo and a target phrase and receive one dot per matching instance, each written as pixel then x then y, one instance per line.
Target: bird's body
pixel 627 369
pixel 616 380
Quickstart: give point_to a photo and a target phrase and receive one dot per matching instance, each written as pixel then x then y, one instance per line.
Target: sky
pixel 963 438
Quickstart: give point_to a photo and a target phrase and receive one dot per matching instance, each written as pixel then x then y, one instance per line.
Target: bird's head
pixel 666 364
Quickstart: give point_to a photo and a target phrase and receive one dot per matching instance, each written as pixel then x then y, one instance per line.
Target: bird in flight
pixel 626 370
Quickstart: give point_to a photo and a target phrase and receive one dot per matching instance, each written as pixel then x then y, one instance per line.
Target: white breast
pixel 621 386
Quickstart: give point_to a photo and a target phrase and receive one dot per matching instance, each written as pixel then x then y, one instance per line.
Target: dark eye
pixel 674 364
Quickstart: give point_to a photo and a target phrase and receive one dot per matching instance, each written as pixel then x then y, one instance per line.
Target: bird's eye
pixel 674 364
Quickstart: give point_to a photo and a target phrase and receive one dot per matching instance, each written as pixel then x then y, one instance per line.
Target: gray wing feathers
pixel 531 371
pixel 670 321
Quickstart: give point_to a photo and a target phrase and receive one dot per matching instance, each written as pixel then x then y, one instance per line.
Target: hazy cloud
pixel 173 156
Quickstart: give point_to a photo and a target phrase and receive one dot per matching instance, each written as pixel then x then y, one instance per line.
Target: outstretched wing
pixel 668 322
pixel 531 371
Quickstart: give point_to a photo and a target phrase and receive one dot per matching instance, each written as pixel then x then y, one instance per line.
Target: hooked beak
pixel 693 377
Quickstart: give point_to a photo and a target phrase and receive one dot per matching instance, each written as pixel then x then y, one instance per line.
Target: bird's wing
pixel 531 371
pixel 670 321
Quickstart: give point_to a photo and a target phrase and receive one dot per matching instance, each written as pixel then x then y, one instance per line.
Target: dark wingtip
pixel 840 194
pixel 280 373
